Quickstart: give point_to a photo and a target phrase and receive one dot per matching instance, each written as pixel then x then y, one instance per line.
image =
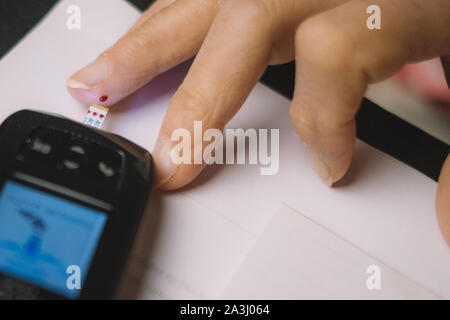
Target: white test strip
pixel 95 116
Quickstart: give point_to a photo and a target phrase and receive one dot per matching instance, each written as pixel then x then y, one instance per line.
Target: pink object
pixel 428 79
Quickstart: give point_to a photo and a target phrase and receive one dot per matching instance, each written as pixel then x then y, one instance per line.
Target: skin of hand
pixel 336 55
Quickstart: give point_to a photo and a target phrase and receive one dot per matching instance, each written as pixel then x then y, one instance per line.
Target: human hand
pixel 337 57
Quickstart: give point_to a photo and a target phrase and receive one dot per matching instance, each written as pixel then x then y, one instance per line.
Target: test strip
pixel 95 116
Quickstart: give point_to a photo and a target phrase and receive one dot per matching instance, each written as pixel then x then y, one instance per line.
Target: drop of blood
pixel 103 98
pixel 95 114
pixel 101 116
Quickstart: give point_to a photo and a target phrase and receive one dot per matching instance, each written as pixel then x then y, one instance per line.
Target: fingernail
pixel 165 168
pixel 89 76
pixel 74 84
pixel 321 168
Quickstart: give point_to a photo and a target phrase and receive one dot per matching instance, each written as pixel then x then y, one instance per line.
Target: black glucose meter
pixel 71 199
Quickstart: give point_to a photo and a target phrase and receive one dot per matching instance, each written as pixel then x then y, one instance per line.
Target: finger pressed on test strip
pixel 95 116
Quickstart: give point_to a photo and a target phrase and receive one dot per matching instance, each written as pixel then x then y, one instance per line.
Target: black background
pixel 374 125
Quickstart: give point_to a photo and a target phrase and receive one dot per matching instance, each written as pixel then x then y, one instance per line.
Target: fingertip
pixel 89 97
pixel 165 167
pixel 329 170
pixel 169 175
pixel 329 146
pixel 183 175
pixel 321 168
pixel 84 94
pixel 88 85
pixel 91 75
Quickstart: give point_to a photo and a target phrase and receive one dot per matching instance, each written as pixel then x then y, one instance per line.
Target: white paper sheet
pixel 205 231
pixel 295 258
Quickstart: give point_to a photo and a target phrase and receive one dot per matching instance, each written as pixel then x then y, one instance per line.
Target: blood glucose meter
pixel 71 199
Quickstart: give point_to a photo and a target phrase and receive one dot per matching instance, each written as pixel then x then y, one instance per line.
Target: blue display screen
pixel 42 238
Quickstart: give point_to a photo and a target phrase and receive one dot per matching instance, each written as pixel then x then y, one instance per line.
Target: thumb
pixel 443 201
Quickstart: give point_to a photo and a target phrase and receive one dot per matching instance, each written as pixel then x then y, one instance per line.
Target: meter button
pixel 71 165
pixel 104 165
pixel 72 161
pixel 40 146
pixel 77 149
pixel 106 170
pixel 39 149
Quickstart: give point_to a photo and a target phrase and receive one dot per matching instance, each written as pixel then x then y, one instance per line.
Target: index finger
pixel 158 42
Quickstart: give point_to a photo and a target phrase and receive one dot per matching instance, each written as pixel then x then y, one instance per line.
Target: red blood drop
pixel 101 116
pixel 103 98
pixel 89 111
pixel 95 114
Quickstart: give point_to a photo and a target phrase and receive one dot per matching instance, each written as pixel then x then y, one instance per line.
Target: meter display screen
pixel 47 240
